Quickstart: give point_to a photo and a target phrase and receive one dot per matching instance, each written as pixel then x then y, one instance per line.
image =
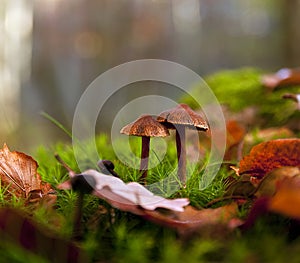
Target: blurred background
pixel 51 50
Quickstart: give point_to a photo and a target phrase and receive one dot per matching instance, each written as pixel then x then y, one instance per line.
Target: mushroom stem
pixel 181 153
pixel 145 156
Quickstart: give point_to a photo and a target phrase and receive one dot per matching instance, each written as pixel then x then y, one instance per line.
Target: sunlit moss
pixel 242 88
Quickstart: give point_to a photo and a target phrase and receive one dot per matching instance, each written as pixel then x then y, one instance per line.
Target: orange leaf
pixel 193 219
pixel 278 192
pixel 186 222
pixel 286 201
pixel 283 77
pixel 267 156
pixel 18 173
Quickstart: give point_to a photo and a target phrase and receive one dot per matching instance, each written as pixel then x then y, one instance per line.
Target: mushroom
pixel 145 126
pixel 107 167
pixel 180 118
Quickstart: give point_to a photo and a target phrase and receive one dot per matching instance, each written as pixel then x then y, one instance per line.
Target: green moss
pixel 110 235
pixel 241 88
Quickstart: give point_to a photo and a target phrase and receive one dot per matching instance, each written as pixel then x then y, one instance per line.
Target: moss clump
pixel 242 88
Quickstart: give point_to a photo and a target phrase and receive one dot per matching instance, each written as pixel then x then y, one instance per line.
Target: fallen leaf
pixel 186 222
pixel 241 186
pixel 115 191
pixel 18 173
pixel 267 156
pixel 269 184
pixel 174 213
pixel 192 219
pixel 234 138
pixel 286 200
pixel 283 77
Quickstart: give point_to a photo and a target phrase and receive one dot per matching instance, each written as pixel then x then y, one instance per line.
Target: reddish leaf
pixel 283 77
pixel 116 192
pixel 235 135
pixel 197 220
pixel 280 193
pixel 269 184
pixel 286 201
pixel 18 173
pixel 267 156
pixel 184 222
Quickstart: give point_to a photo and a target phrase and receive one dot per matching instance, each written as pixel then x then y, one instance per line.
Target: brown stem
pixel 77 229
pixel 181 153
pixel 61 161
pixel 145 156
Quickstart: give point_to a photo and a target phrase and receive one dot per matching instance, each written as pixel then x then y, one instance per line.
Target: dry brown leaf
pixel 279 192
pixel 286 200
pixel 210 221
pixel 192 218
pixel 186 222
pixel 235 135
pixel 121 195
pixel 18 173
pixel 172 213
pixel 269 184
pixel 267 156
pixel 283 77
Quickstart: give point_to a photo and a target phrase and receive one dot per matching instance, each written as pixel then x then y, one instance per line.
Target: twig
pixel 61 161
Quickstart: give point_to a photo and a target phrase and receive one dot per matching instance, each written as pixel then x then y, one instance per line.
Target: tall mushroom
pixel 180 118
pixel 145 126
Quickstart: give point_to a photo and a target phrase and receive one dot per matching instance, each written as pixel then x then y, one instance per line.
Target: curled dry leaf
pixel 286 200
pixel 234 139
pixel 129 196
pixel 186 221
pixel 279 193
pixel 270 182
pixel 174 213
pixel 192 219
pixel 18 173
pixel 267 156
pixel 283 77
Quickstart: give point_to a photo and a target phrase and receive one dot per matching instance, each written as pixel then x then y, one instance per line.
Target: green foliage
pixel 241 88
pixel 110 235
pixel 11 253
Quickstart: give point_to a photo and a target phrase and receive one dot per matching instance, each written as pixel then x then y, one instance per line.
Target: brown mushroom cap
pixel 147 126
pixel 182 114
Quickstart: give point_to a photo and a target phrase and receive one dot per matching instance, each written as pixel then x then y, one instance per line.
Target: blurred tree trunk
pixel 291 17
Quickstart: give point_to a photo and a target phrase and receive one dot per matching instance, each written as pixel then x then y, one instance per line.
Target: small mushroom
pixel 180 118
pixel 145 126
pixel 107 167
